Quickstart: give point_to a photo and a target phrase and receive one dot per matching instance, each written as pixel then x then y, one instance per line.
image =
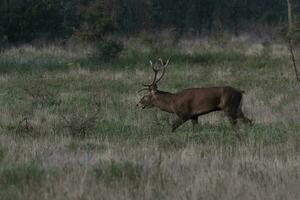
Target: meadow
pixel 70 128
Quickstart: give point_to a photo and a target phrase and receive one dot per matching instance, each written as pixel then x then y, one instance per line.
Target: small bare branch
pixel 78 124
pixel 292 55
pixel 41 94
pixel 24 126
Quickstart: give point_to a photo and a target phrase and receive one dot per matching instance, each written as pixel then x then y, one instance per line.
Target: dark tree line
pixel 26 20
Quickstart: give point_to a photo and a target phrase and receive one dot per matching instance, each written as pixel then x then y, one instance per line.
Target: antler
pixel 143 89
pixel 155 79
pixel 155 75
pixel 164 64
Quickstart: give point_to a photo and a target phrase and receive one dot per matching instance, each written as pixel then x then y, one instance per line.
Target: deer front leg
pixel 231 113
pixel 244 119
pixel 178 122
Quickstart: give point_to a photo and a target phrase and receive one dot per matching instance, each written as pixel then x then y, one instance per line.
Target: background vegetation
pixel 27 20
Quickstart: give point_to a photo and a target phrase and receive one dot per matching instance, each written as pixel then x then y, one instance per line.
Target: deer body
pixel 190 103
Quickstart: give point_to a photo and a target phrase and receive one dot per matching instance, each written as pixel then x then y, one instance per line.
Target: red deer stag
pixel 190 103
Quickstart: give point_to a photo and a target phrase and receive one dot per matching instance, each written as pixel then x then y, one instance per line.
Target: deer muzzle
pixel 140 105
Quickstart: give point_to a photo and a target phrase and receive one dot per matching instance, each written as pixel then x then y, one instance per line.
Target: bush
pixel 79 124
pixel 41 94
pixel 108 49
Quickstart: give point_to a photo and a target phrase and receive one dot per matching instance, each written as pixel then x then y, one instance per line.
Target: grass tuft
pixel 126 172
pixel 25 175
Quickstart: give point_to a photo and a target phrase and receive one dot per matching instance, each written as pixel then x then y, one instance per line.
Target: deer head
pixel 146 101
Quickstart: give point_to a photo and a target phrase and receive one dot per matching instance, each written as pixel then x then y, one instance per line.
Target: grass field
pixel 70 128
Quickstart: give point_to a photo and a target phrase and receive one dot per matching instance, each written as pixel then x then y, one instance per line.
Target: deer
pixel 189 104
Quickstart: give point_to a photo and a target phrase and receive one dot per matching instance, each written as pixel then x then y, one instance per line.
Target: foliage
pixel 94 22
pixel 24 21
pixel 108 49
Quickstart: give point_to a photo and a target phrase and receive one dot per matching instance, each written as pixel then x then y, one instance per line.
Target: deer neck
pixel 163 101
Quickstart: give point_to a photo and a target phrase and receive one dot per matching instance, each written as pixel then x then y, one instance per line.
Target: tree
pixel 94 21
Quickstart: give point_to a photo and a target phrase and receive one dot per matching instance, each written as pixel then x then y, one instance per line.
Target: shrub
pixel 41 94
pixel 108 49
pixel 78 123
pixel 95 22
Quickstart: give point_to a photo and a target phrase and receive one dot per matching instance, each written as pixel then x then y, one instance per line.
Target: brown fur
pixel 189 104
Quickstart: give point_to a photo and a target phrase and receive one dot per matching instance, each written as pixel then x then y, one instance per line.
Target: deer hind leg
pixel 178 122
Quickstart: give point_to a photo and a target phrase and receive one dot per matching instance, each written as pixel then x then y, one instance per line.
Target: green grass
pixel 2 153
pixel 130 153
pixel 78 145
pixel 21 176
pixel 119 172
